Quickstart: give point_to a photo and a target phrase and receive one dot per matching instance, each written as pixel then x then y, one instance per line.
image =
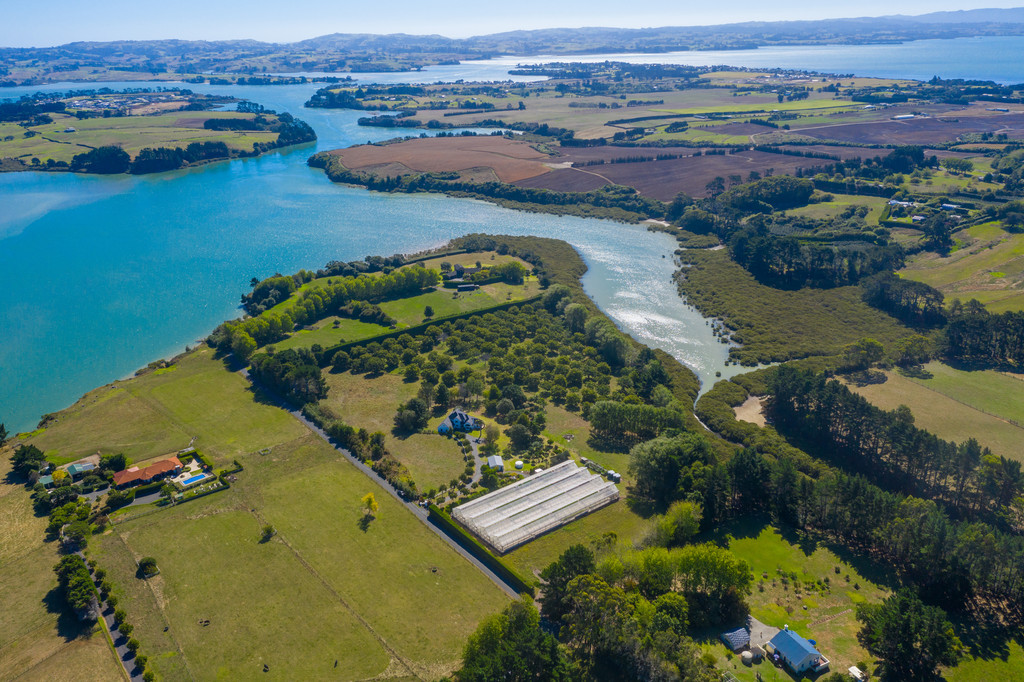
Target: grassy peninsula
pixel 137 132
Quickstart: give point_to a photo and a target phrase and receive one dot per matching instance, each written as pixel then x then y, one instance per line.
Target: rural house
pixel 797 653
pixel 459 421
pixel 136 476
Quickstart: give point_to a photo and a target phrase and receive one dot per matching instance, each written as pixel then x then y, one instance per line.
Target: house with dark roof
pixel 459 421
pixel 797 653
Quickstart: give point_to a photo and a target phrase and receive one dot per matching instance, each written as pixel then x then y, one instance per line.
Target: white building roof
pixel 516 514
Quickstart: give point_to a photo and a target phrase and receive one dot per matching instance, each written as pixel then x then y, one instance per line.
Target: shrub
pixel 147 566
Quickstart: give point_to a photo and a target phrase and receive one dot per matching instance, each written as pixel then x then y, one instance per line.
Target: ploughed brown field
pixel 921 131
pixel 486 157
pixel 511 160
pixel 663 180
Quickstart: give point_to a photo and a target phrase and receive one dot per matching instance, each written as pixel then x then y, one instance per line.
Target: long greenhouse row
pixel 518 513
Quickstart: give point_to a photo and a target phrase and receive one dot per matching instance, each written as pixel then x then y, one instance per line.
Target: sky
pixel 54 22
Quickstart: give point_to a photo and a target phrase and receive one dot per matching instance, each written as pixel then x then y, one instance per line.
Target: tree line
pixel 948 561
pixel 836 424
pixel 313 304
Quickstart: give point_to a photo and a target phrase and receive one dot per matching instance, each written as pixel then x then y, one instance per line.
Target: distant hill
pixel 370 52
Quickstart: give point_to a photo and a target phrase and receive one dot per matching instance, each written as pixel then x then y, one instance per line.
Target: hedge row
pixel 468 542
pixel 328 353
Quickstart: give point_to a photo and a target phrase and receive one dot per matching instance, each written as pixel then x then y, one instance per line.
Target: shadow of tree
pixel 68 625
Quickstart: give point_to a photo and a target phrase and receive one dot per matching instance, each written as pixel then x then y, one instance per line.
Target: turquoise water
pixel 100 276
pixel 103 275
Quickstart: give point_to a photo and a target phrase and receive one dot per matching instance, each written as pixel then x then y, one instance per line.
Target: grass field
pixel 401 578
pixel 38 640
pixel 160 413
pixel 131 133
pixel 327 589
pixel 280 615
pixel 370 403
pixel 407 312
pixel 831 209
pixel 957 405
pixel 770 551
pixel 988 266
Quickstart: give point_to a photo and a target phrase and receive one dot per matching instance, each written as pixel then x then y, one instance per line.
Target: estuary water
pixel 101 275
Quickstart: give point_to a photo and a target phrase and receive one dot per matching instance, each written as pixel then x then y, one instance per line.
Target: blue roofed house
pixel 797 653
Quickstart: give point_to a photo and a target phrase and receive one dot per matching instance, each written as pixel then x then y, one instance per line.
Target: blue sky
pixel 54 22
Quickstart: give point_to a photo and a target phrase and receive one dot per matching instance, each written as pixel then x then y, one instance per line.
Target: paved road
pixel 144 499
pixel 126 657
pixel 417 510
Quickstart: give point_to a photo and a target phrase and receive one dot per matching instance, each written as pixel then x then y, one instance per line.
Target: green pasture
pixel 397 575
pixel 326 333
pixel 160 413
pixel 989 266
pixel 957 405
pixel 131 133
pixel 840 202
pixel 280 615
pixel 406 311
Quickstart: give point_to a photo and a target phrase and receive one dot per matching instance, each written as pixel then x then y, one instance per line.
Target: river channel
pixel 101 275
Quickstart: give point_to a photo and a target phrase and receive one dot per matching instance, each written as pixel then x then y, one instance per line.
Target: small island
pixel 108 132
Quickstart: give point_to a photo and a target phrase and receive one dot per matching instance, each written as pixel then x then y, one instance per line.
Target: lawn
pixel 370 403
pixel 160 412
pixel 326 333
pixel 956 405
pixel 38 640
pixel 406 311
pixel 824 593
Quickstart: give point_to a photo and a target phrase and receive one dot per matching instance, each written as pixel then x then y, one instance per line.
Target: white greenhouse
pixel 518 513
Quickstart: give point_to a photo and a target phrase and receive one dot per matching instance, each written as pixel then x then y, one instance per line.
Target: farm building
pixel 495 462
pixel 459 421
pixel 516 514
pixel 737 640
pixel 797 653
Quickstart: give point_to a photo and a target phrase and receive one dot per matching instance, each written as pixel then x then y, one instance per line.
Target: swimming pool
pixel 194 479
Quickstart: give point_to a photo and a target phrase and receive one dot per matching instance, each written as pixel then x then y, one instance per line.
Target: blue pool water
pixel 194 479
